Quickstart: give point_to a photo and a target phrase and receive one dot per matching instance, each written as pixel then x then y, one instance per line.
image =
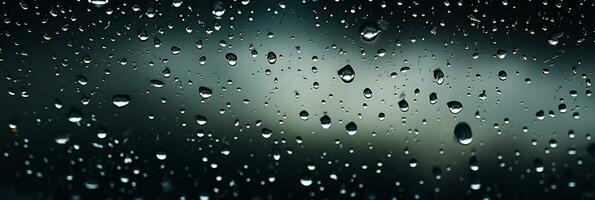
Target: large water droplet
pixel 62 138
pixel 346 74
pixel 266 133
pixel 271 57
pixel 369 31
pixel 540 115
pixel 218 9
pixel 502 75
pixel 232 59
pixel 403 105
pixel 205 92
pixel 438 76
pixel 455 107
pixel 98 2
pixel 157 83
pixel 351 128
pixel 143 35
pixel 554 38
pixel 306 181
pixel 304 115
pixel 201 120
pixel 75 116
pixel 367 93
pixel 501 53
pixel 161 155
pixel 538 163
pixel 120 100
pixel 91 184
pixel 463 133
pixel 175 50
pixel 433 98
pixel 325 121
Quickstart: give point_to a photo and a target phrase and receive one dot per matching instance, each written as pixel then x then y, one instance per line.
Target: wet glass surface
pixel 304 99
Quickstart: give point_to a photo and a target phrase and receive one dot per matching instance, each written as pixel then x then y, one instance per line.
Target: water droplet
pixel 351 128
pixel 438 76
pixel 62 138
pixel 175 50
pixel 483 96
pixel 473 163
pixel 205 92
pixel 201 120
pixel 101 133
pixel 540 115
pixel 306 181
pixel 502 75
pixel 501 53
pixel 98 2
pixel 538 163
pixel 157 83
pixel 143 35
pixel 433 98
pixel 403 105
pixel 475 185
pixel 381 116
pixel 369 31
pixel 161 155
pixel 91 184
pixel 325 121
pixel 304 115
pixel 271 57
pixel 367 93
pixel 177 3
pixel 232 59
pixel 455 107
pixel 218 9
pixel 266 133
pixel 120 100
pixel 554 38
pixel 75 116
pixel 166 72
pixel 346 74
pixel 463 133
